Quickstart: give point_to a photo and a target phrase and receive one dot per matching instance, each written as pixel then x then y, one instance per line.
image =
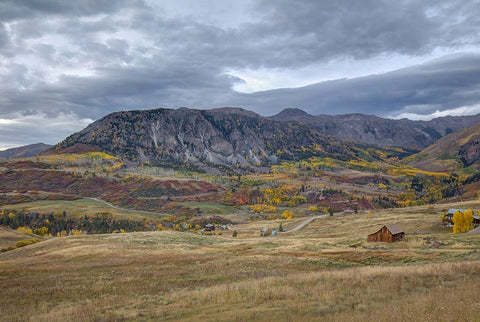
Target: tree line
pixel 50 225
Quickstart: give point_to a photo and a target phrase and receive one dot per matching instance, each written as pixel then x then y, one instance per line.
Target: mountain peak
pixel 290 114
pixel 234 110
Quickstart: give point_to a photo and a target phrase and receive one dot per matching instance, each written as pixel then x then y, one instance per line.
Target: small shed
pixel 265 232
pixel 448 218
pixel 209 227
pixel 388 233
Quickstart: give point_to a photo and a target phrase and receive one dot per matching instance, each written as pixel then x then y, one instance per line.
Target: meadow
pixel 326 271
pixel 77 208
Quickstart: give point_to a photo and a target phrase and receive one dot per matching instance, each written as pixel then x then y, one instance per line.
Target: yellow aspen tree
pixel 313 209
pixel 468 220
pixel 287 214
pixel 458 222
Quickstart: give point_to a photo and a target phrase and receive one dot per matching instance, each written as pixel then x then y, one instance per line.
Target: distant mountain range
pixel 24 151
pixel 236 138
pixel 378 131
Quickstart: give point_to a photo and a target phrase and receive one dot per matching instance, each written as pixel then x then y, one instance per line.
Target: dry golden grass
pixel 312 274
pixel 75 208
pixel 9 237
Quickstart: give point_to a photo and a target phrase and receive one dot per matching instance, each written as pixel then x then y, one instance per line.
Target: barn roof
pixel 451 211
pixel 394 229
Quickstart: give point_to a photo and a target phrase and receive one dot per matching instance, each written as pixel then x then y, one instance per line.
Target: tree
pixel 462 221
pixel 468 217
pixel 287 214
pixel 313 209
pixel 458 221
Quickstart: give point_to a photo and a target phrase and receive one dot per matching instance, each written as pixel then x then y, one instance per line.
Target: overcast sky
pixel 64 64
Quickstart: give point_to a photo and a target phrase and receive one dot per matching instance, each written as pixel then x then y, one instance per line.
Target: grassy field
pixel 312 274
pixel 9 237
pixel 76 208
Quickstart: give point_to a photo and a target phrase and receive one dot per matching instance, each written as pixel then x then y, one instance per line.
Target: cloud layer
pixel 80 60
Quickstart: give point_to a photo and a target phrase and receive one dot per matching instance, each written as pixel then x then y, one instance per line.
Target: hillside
pixel 379 131
pixel 24 151
pixel 26 181
pixel 225 137
pixel 167 275
pixel 452 152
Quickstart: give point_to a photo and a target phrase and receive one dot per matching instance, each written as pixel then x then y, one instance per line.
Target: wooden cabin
pixel 388 233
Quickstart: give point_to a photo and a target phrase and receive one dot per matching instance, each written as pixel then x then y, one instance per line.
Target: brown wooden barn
pixel 388 233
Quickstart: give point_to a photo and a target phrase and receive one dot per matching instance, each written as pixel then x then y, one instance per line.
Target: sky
pixel 64 64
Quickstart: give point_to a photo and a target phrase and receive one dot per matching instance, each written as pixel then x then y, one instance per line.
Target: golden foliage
pixel 258 208
pixel 26 231
pixel 287 214
pixel 42 231
pixel 462 221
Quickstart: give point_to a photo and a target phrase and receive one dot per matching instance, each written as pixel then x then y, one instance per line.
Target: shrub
pixel 234 233
pixel 26 242
pixel 313 209
pixel 287 214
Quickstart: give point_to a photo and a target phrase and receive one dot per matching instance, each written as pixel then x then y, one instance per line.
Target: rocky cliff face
pixel 222 137
pixel 379 131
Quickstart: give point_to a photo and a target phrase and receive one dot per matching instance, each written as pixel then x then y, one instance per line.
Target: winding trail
pixel 300 226
pixel 303 224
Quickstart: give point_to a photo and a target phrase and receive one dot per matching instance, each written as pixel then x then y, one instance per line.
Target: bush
pixel 287 214
pixel 26 242
pixel 234 233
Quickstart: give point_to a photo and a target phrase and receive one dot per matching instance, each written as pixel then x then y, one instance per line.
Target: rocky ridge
pixel 378 131
pixel 225 136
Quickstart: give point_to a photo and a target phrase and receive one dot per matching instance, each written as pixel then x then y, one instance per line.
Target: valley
pixel 185 160
pixel 218 227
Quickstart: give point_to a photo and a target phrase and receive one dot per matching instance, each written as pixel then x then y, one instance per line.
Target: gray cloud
pixel 85 59
pixel 21 9
pixel 298 32
pixel 442 84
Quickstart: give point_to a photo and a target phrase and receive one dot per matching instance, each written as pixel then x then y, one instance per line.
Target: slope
pixel 24 151
pixel 452 152
pixel 379 131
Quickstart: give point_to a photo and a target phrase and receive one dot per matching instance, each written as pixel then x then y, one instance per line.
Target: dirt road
pixel 304 223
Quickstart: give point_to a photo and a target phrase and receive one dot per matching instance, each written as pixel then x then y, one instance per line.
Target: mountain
pixel 24 151
pixel 378 131
pixel 454 151
pixel 224 136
